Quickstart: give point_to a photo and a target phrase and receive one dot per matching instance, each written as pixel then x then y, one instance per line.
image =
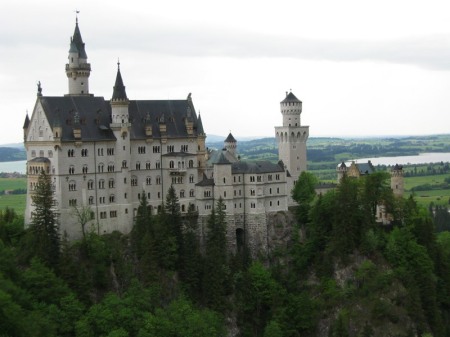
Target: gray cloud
pixel 431 52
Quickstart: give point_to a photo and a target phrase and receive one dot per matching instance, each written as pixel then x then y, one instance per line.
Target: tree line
pixel 343 274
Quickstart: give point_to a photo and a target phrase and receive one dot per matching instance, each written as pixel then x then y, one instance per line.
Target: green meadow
pixel 435 194
pixel 16 201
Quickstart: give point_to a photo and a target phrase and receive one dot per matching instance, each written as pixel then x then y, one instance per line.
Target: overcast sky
pixel 361 68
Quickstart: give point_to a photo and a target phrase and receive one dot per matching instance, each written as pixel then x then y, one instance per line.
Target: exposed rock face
pixel 261 232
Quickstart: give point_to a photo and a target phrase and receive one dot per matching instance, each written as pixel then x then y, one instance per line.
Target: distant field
pixel 438 197
pixel 424 198
pixel 410 182
pixel 16 201
pixel 12 183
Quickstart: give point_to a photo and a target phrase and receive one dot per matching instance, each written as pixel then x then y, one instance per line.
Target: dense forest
pixel 341 275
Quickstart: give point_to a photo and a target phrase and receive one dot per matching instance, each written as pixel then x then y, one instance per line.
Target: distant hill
pixel 14 145
pixel 12 154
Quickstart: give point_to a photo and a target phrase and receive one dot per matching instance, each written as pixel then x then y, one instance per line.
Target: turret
pixel 291 108
pixel 26 123
pixel 341 170
pixel 119 102
pixel 231 144
pixel 78 69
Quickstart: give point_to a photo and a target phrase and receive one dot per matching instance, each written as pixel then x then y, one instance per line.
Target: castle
pixel 358 170
pixel 102 155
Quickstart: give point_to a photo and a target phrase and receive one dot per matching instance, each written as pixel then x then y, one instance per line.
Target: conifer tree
pixel 143 240
pixel 44 227
pixel 173 217
pixel 304 193
pixel 142 226
pixel 191 258
pixel 216 267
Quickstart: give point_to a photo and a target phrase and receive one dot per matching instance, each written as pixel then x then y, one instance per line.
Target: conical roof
pixel 119 89
pixel 290 98
pixel 222 160
pixel 27 122
pixel 200 130
pixel 230 139
pixel 78 41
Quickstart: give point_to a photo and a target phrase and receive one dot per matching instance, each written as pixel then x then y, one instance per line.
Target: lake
pixel 423 158
pixel 13 166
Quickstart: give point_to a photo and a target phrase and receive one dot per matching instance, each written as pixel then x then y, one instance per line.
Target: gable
pixel 39 128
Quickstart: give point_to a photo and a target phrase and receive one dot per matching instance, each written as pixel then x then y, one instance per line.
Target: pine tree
pixel 143 241
pixel 173 217
pixel 216 267
pixel 44 226
pixel 304 193
pixel 191 258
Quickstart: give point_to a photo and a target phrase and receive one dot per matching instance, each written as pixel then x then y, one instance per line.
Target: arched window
pixel 171 164
pixel 72 185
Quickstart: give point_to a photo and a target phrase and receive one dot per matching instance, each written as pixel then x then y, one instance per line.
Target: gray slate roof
pixel 39 160
pixel 290 98
pixel 365 168
pixel 255 167
pixel 95 116
pixel 205 181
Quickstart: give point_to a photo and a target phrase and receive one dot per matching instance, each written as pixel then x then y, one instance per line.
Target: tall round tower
pixel 78 69
pixel 291 139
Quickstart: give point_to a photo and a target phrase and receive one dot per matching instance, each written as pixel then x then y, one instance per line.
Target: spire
pixel 119 89
pixel 200 130
pixel 78 41
pixel 27 121
pixel 78 69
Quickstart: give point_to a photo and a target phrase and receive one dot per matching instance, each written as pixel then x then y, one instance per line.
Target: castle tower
pixel 201 153
pixel 291 139
pixel 78 69
pixel 397 182
pixel 341 171
pixel 121 126
pixel 230 144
